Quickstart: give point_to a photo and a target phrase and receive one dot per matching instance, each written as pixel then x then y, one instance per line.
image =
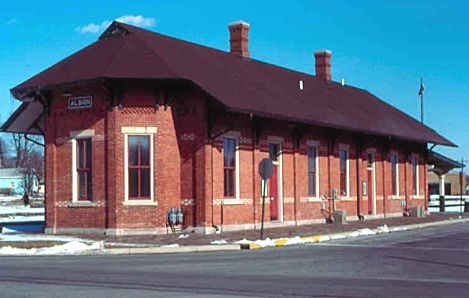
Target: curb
pixel 167 250
pixel 323 237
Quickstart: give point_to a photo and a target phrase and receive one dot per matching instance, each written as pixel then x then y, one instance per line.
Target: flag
pixel 422 87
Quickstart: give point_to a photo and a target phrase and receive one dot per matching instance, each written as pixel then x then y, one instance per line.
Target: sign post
pixel 266 169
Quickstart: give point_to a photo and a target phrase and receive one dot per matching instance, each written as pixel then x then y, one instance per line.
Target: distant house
pixel 451 181
pixel 14 181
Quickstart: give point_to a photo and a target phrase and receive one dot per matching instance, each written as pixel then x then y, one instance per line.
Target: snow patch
pixel 11 237
pixel 183 236
pixel 20 209
pixel 244 241
pixel 73 247
pixel 265 243
pixel 338 236
pixel 219 242
pixel 13 219
pixel 383 229
pixel 324 238
pixel 366 232
pixel 171 245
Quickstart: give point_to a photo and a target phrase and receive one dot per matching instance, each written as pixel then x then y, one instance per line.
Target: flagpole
pixel 422 88
pixel 421 108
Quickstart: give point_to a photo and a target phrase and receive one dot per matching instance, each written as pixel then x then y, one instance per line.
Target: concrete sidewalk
pixel 172 243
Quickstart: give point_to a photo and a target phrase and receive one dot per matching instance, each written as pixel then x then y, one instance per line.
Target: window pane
pixel 311 159
pixel 394 174
pixel 145 183
pixel 229 183
pixel 89 185
pixel 81 162
pixel 133 150
pixel 133 183
pixel 88 153
pixel 145 150
pixel 226 183
pixel 273 152
pixel 343 184
pixel 232 183
pixel 229 152
pixel 82 185
pixel 311 184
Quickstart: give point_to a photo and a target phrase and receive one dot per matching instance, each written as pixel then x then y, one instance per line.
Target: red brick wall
pixel 188 165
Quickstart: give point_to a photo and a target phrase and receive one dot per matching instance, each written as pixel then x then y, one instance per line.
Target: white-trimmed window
pixel 415 175
pixel 313 168
pixel 82 164
pixel 395 174
pixel 344 171
pixel 139 164
pixel 231 166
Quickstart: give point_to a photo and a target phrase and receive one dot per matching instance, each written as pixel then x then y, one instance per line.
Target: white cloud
pixel 93 28
pixel 139 21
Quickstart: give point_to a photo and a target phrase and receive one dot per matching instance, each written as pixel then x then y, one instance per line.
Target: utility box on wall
pixel 418 211
pixel 340 216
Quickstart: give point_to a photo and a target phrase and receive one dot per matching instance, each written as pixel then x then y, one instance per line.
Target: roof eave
pixel 293 119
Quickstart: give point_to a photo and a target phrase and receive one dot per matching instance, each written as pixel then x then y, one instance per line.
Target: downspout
pixel 254 198
pixel 359 193
pixel 211 177
pixel 405 182
pixel 384 183
pixel 106 174
pixel 211 139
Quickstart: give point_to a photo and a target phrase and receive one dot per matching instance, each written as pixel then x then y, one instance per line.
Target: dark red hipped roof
pixel 242 85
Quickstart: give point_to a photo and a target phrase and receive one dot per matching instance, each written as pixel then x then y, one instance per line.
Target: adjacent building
pixel 16 181
pixel 138 123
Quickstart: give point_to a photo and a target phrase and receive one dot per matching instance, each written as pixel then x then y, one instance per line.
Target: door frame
pixel 278 141
pixel 373 177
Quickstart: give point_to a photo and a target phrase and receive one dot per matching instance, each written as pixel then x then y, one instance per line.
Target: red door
pixel 370 191
pixel 273 191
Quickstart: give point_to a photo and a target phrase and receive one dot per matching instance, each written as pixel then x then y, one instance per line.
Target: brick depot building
pixel 138 122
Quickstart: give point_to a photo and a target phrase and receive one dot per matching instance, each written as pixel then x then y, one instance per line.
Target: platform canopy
pixel 27 119
pixel 442 164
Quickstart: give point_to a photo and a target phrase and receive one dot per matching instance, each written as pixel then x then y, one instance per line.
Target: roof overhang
pixel 27 119
pixel 442 164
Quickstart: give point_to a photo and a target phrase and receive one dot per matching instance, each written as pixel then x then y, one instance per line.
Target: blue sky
pixel 381 46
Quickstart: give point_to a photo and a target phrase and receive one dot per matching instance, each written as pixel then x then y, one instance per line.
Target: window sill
pixel 140 203
pixel 232 202
pixel 346 199
pixel 417 197
pixel 397 198
pixel 314 200
pixel 82 204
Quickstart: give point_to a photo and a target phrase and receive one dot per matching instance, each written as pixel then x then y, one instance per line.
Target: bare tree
pixel 28 157
pixel 3 152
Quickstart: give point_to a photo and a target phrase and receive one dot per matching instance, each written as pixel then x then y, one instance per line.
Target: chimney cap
pixel 238 22
pixel 322 52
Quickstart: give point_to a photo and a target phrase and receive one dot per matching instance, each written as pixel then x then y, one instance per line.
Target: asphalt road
pixel 432 262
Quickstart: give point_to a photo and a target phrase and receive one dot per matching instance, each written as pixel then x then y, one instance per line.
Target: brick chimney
pixel 323 64
pixel 239 38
